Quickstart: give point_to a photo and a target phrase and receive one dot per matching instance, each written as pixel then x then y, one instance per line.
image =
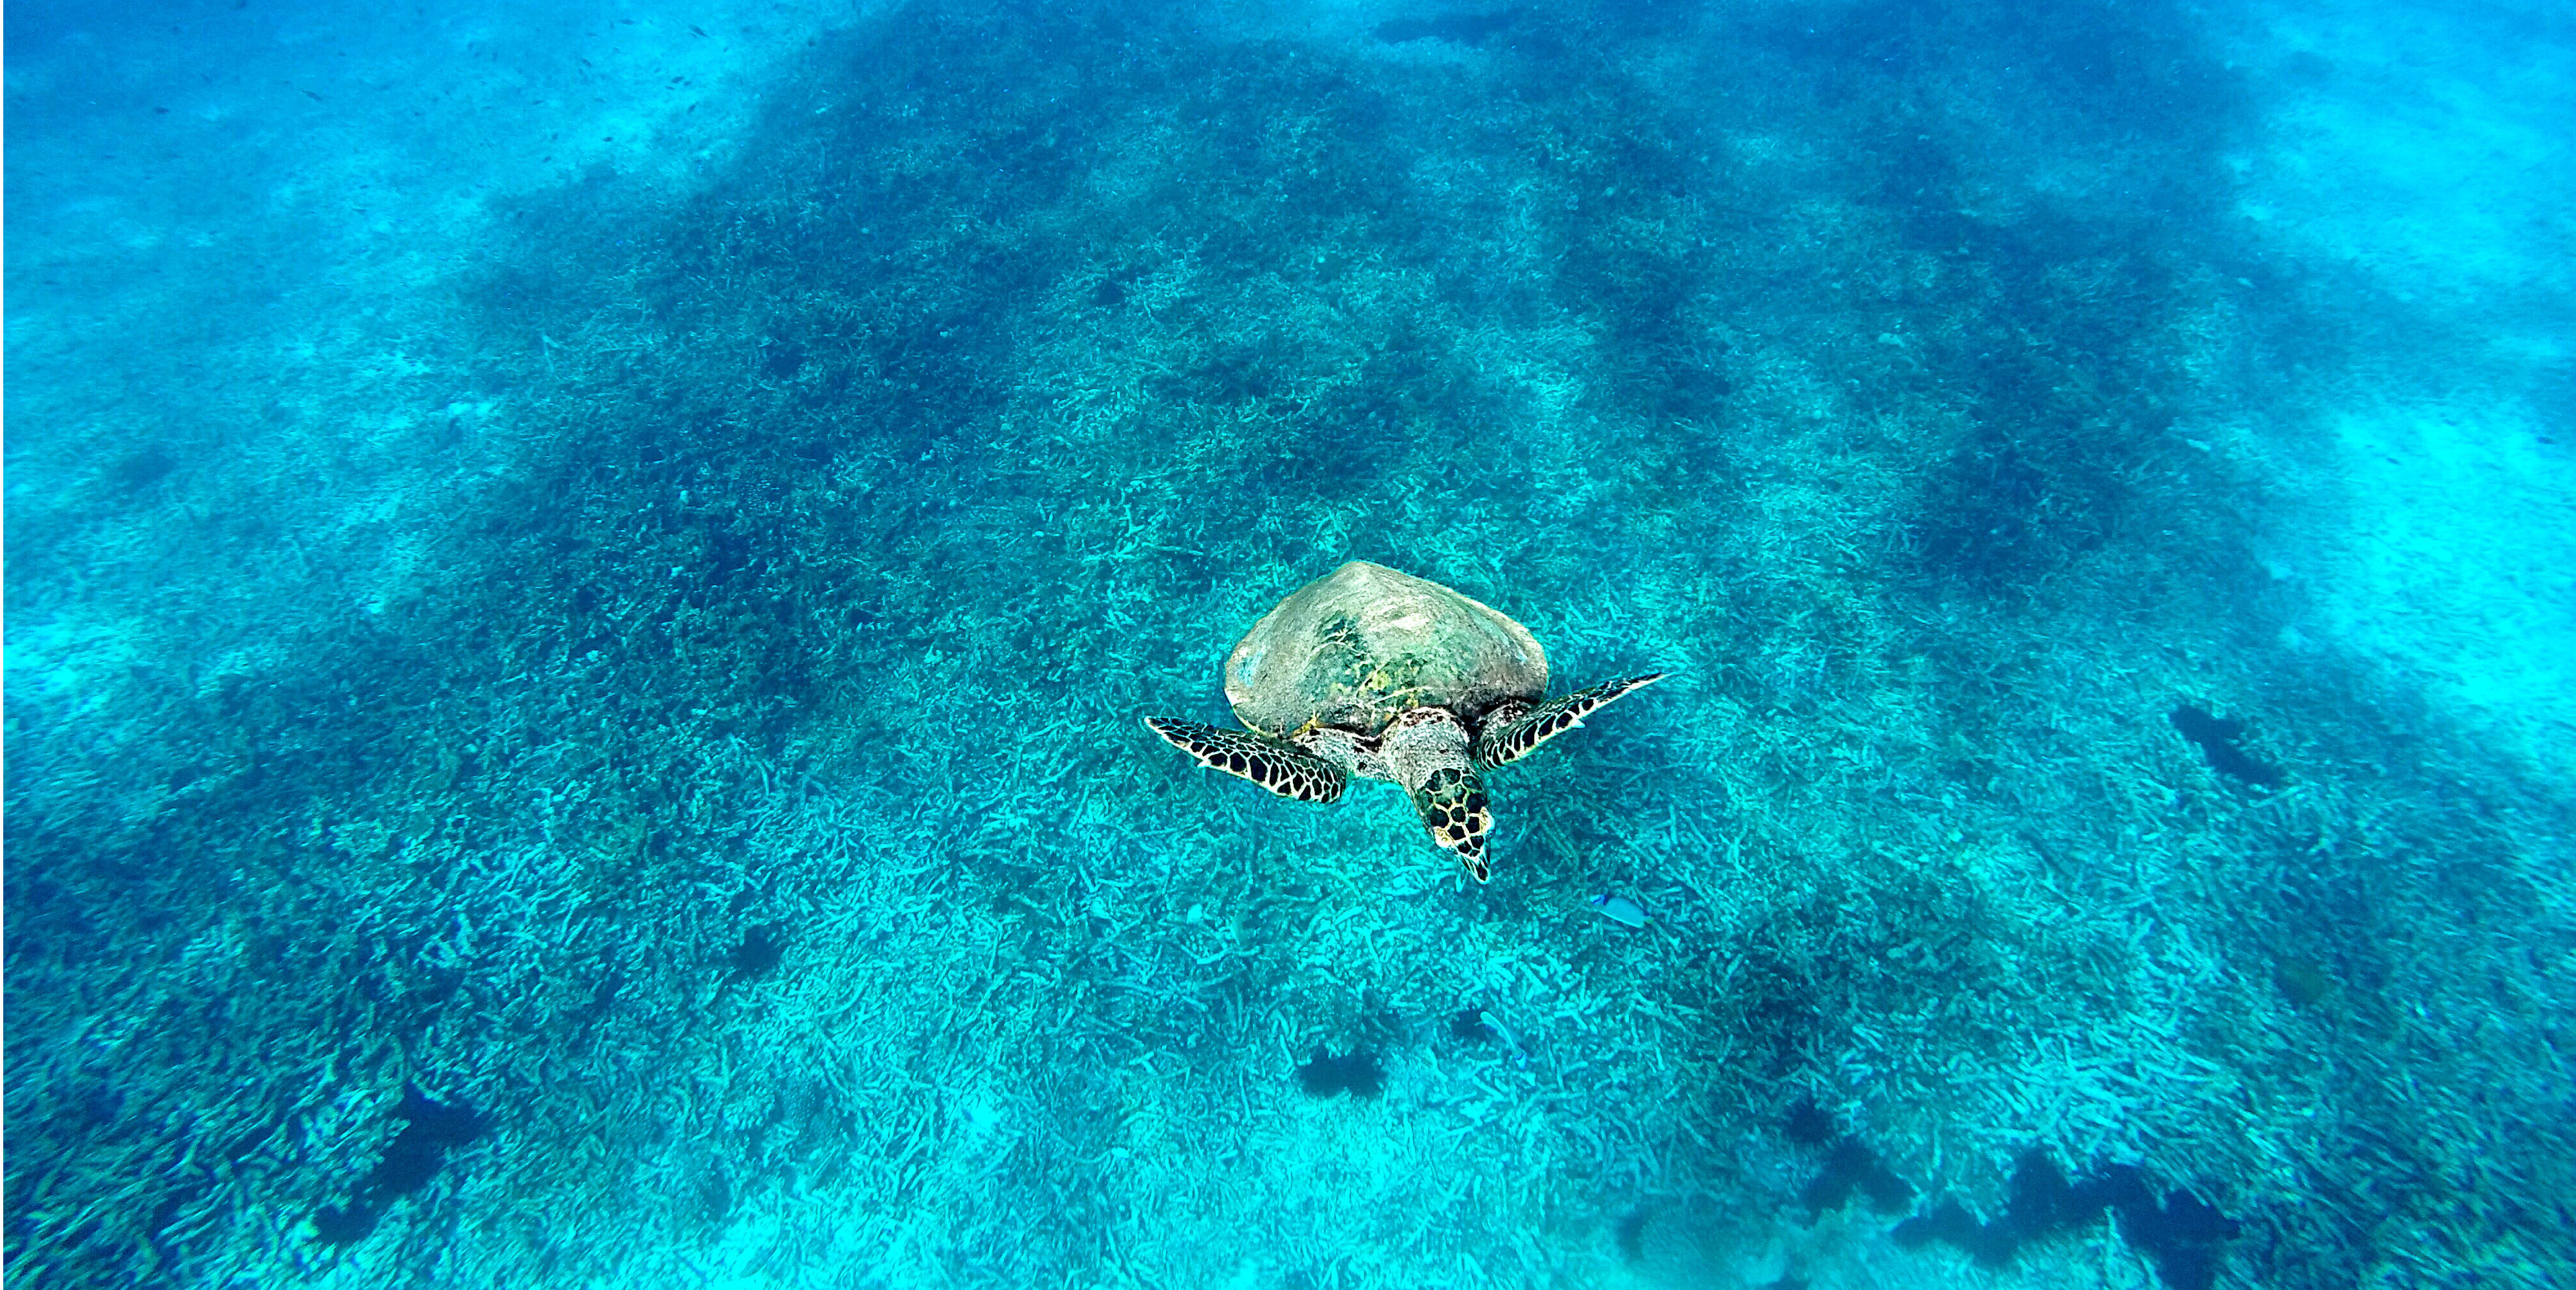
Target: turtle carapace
pixel 1375 673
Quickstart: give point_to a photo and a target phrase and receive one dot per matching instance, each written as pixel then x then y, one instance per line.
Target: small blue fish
pixel 1511 1042
pixel 1621 910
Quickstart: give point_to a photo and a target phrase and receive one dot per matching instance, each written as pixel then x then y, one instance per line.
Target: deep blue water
pixel 582 585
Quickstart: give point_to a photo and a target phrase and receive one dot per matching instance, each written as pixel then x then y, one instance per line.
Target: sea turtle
pixel 1371 672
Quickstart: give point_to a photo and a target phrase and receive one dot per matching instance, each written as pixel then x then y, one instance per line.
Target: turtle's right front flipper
pixel 1275 764
pixel 1513 729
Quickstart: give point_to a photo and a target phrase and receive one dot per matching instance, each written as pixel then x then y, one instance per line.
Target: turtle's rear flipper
pixel 1509 736
pixel 1452 803
pixel 1277 765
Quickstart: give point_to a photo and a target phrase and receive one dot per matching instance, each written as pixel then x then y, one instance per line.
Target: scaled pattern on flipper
pixel 1508 738
pixel 1371 672
pixel 1281 767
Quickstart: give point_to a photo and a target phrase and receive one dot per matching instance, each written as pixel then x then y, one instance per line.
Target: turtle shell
pixel 1361 644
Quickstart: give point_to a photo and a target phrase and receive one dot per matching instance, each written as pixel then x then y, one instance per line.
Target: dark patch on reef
pixel 1851 1166
pixel 2181 1237
pixel 759 952
pixel 1809 1125
pixel 2302 981
pixel 1458 28
pixel 1631 1234
pixel 142 468
pixel 1356 1073
pixel 410 1161
pixel 2217 739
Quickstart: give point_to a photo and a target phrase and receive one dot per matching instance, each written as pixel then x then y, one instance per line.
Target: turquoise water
pixel 582 585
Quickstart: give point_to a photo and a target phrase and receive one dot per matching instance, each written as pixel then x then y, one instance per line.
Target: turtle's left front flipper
pixel 1275 764
pixel 1509 735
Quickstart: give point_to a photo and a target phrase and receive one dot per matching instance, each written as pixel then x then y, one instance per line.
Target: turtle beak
pixel 1474 854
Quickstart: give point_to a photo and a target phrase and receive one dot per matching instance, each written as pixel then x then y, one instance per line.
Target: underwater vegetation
pixel 785 541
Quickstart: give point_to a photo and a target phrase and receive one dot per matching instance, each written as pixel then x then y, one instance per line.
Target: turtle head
pixel 1426 749
pixel 1452 804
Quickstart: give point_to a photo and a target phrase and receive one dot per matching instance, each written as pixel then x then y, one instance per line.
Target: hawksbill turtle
pixel 1367 671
